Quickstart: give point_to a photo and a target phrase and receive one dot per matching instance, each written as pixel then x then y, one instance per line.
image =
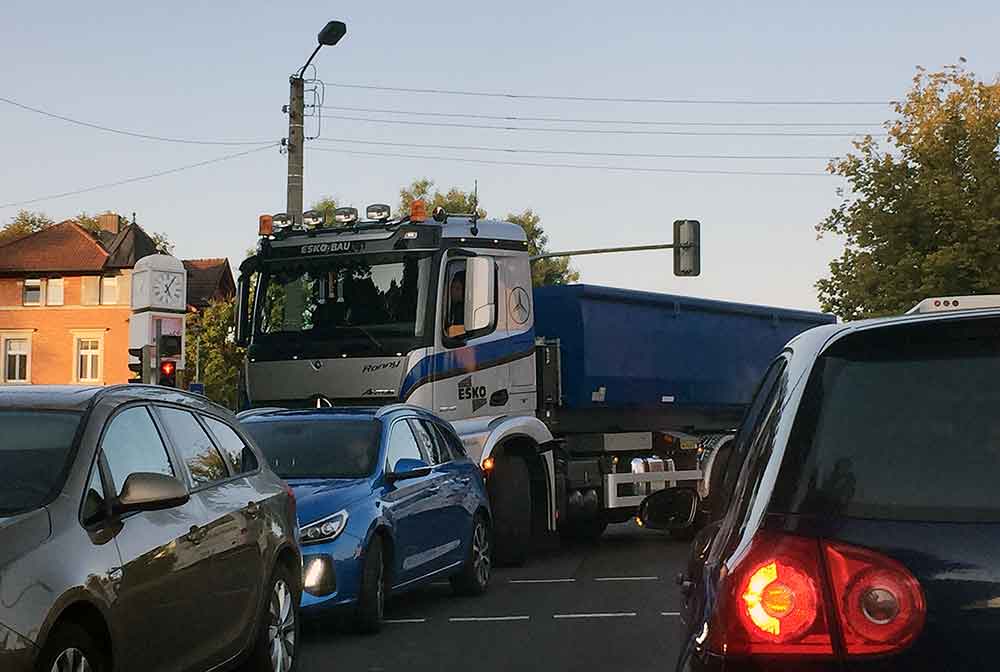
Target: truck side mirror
pixel 249 271
pixel 480 294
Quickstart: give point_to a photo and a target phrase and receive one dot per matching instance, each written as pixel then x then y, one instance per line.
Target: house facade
pixel 65 301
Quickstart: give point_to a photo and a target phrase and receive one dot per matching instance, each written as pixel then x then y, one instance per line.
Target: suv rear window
pixel 900 423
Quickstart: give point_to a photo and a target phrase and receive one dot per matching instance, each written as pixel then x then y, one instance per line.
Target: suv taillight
pixel 786 593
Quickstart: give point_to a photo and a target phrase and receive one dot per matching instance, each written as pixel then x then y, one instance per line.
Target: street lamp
pixel 330 35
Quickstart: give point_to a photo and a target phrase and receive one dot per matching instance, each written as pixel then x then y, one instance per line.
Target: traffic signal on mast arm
pixel 687 247
pixel 144 367
pixel 168 373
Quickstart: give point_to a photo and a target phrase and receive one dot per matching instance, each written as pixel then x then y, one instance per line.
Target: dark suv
pixel 862 527
pixel 139 530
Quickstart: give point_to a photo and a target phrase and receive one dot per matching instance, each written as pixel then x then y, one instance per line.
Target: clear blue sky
pixel 219 71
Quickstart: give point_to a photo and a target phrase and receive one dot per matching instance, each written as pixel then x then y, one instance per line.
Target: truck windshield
pixel 901 424
pixel 33 455
pixel 318 448
pixel 360 304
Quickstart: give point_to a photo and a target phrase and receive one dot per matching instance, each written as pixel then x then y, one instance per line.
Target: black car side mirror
pixel 151 492
pixel 407 468
pixel 670 509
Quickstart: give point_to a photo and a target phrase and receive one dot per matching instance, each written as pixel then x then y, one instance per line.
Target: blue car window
pixel 318 448
pixel 429 443
pixel 402 446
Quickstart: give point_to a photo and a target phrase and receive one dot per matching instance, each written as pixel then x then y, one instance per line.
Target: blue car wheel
pixel 374 586
pixel 474 578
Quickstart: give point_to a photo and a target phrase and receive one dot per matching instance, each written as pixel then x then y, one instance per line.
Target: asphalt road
pixel 610 606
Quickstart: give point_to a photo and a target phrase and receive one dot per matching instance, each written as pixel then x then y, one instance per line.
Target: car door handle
pixel 433 489
pixel 196 534
pixel 252 510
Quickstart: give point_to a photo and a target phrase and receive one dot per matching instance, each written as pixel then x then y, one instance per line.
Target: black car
pixel 140 530
pixel 862 527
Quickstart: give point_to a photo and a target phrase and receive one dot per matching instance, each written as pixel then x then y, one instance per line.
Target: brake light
pixel 777 600
pixel 879 603
pixel 772 601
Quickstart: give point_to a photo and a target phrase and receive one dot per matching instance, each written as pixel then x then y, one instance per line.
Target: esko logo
pixel 372 368
pixel 467 391
pixel 321 248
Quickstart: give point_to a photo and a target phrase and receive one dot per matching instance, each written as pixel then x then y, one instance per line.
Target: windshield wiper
pixel 367 334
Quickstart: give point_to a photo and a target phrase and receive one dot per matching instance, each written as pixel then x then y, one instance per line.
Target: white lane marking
pixel 441 583
pixel 670 613
pixel 474 619
pixel 628 578
pixel 394 621
pixel 541 581
pixel 620 614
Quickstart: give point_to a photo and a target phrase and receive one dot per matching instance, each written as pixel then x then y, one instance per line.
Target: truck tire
pixel 510 498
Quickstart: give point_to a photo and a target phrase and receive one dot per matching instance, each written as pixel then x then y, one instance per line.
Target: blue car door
pixel 453 517
pixel 412 506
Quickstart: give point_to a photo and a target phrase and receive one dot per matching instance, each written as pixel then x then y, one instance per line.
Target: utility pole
pixel 295 147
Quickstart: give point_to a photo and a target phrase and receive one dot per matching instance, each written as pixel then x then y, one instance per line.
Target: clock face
pixel 168 290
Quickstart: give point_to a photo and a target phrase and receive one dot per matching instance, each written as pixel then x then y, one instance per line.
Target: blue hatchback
pixel 387 501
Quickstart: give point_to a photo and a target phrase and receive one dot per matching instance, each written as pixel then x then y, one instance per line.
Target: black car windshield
pixel 357 304
pixel 901 424
pixel 318 448
pixel 33 455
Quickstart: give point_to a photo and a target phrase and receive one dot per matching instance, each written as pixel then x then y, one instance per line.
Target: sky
pixel 219 71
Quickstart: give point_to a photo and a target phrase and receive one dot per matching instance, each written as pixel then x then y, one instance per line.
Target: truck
pixel 577 401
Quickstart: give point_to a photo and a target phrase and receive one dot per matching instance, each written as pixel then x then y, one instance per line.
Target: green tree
pixel 89 222
pixel 163 244
pixel 326 205
pixel 22 224
pixel 922 215
pixel 543 272
pixel 212 332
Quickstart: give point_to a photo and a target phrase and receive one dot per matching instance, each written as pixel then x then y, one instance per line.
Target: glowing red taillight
pixel 786 594
pixel 879 604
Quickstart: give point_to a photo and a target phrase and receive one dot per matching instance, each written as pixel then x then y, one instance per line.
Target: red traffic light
pixel 167 368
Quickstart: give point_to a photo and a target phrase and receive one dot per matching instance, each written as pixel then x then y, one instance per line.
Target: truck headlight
pixel 324 529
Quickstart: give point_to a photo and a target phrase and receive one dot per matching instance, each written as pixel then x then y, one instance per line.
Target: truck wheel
pixel 510 498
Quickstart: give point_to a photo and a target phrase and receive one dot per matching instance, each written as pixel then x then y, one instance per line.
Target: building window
pixel 32 292
pixel 91 290
pixel 88 360
pixel 15 351
pixel 54 292
pixel 109 290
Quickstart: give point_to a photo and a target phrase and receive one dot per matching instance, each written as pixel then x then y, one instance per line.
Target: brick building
pixel 65 301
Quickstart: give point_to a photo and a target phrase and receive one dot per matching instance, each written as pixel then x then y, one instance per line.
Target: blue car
pixel 387 501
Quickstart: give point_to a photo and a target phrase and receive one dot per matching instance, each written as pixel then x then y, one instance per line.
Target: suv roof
pixel 82 397
pixel 330 413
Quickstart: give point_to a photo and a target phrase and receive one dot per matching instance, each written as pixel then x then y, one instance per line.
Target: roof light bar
pixel 379 212
pixel 313 219
pixel 345 215
pixel 418 211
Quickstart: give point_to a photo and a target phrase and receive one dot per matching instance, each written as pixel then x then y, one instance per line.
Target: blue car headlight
pixel 324 529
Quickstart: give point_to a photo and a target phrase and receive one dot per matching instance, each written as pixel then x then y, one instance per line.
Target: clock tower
pixel 159 305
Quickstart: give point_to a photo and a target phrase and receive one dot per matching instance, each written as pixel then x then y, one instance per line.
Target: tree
pixel 213 332
pixel 922 217
pixel 163 244
pixel 543 272
pixel 22 224
pixel 326 205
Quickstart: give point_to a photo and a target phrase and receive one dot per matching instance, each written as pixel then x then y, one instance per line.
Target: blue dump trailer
pixel 633 383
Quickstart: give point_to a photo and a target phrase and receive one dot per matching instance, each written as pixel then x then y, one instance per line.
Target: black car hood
pixel 21 533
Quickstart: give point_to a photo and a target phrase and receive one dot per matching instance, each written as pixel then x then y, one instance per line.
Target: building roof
pixel 129 246
pixel 208 279
pixel 63 247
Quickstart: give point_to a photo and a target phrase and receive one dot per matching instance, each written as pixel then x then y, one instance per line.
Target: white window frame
pixel 58 282
pixel 78 336
pixel 41 292
pixel 14 336
pixel 103 299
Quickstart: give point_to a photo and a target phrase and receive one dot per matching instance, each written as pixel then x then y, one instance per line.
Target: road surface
pixel 610 606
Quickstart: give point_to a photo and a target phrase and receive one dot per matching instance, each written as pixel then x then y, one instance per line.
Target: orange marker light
pixel 418 211
pixel 488 464
pixel 265 226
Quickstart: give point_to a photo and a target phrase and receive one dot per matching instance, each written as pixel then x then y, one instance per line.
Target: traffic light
pixel 170 345
pixel 143 368
pixel 168 373
pixel 687 247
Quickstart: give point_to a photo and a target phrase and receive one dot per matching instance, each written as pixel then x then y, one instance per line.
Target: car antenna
pixel 475 208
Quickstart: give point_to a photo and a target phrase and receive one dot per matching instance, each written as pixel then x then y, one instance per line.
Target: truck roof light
pixel 940 304
pixel 418 211
pixel 440 215
pixel 345 215
pixel 379 212
pixel 313 219
pixel 281 221
pixel 265 225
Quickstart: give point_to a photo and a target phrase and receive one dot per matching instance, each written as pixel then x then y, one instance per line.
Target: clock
pixel 167 289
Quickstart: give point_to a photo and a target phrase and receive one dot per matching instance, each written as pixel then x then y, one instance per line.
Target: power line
pixel 133 134
pixel 624 155
pixel 598 131
pixel 628 169
pixel 161 173
pixel 620 122
pixel 607 99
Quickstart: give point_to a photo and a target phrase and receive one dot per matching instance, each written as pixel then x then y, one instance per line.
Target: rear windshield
pixel 318 448
pixel 34 449
pixel 901 424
